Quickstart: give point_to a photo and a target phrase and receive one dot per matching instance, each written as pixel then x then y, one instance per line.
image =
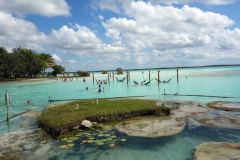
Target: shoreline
pixel 209 66
pixel 23 79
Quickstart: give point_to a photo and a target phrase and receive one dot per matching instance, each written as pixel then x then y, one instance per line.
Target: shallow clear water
pixel 174 147
pixel 214 81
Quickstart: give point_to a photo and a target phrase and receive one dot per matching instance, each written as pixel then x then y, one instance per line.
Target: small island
pixel 135 117
pixel 69 116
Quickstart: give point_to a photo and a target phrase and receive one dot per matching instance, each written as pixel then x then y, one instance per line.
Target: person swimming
pixel 29 101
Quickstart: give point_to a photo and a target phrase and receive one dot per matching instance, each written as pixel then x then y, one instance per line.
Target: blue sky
pixel 108 34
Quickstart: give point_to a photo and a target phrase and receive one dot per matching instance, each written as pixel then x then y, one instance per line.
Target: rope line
pixel 201 96
pixel 22 113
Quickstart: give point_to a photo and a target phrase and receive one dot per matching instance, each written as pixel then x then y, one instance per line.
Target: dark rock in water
pixel 225 105
pixel 217 150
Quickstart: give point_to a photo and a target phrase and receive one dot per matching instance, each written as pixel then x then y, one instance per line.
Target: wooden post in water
pixel 164 91
pixel 93 77
pixel 177 76
pixel 149 76
pixel 127 77
pixel 50 99
pixel 113 76
pixel 158 78
pixel 108 79
pixel 6 102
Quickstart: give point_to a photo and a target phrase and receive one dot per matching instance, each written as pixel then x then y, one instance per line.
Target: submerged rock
pixel 32 114
pixel 218 121
pixel 225 105
pixel 42 150
pixel 29 146
pixel 151 127
pixel 164 125
pixel 86 124
pixel 217 150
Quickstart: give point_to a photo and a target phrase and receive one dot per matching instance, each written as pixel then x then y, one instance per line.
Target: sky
pixel 94 35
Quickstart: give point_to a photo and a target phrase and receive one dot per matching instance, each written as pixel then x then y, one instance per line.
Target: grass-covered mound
pixel 66 117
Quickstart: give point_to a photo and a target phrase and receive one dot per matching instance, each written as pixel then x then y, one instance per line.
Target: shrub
pixel 119 71
pixel 82 74
pixel 105 72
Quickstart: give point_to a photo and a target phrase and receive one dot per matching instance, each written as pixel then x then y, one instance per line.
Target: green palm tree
pixel 48 61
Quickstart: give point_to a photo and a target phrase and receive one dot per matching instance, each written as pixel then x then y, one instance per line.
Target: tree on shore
pixel 3 53
pixel 23 62
pixel 28 62
pixel 57 69
pixel 105 72
pixel 48 61
pixel 119 71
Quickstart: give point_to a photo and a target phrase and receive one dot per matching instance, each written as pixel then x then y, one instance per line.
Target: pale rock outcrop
pixel 86 124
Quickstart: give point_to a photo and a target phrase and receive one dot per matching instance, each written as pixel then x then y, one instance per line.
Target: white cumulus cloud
pixel 100 17
pixel 166 27
pixel 119 5
pixel 208 2
pixel 71 61
pixel 56 58
pixel 15 31
pixel 48 8
pixel 81 39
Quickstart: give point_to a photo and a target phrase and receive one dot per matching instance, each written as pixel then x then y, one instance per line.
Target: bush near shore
pixel 105 72
pixel 83 74
pixel 65 118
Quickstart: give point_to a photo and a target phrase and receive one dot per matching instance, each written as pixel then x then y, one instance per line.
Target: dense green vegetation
pixel 105 72
pixel 82 74
pixel 60 119
pixel 57 69
pixel 23 62
pixel 119 71
pixel 48 61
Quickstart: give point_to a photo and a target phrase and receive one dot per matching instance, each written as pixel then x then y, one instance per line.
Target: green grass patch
pixel 61 118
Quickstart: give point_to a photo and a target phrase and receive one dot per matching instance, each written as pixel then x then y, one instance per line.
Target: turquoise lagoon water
pixel 212 81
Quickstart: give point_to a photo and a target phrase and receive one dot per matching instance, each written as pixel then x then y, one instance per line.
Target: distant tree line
pixel 23 62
